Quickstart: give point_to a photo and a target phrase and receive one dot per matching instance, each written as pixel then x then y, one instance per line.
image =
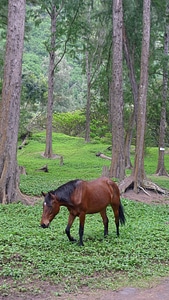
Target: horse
pixel 84 197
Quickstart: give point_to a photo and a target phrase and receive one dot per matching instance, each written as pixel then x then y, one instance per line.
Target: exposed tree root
pixel 24 198
pixel 149 185
pixel 44 169
pixel 162 172
pixel 141 188
pixel 128 183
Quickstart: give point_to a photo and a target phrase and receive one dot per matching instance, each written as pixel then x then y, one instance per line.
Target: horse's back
pixel 104 183
pixel 98 194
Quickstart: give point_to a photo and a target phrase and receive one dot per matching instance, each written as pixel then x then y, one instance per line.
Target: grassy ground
pixel 27 252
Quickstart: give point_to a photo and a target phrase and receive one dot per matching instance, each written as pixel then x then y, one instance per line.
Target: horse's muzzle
pixel 44 225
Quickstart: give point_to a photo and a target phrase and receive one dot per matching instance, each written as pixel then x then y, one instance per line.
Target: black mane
pixel 63 192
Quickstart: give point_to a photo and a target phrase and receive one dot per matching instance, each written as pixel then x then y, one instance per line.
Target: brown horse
pixel 81 198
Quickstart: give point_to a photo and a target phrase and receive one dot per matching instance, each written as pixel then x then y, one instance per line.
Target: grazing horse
pixel 81 198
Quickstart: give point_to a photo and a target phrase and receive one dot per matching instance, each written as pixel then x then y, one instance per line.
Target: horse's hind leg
pixel 67 230
pixel 116 215
pixel 105 221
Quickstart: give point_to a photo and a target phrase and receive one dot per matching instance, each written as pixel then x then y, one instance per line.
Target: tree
pixel 90 57
pixel 10 103
pixel 138 171
pixel 117 168
pixel 68 12
pixel 88 104
pixel 160 167
pixel 134 88
pixel 53 14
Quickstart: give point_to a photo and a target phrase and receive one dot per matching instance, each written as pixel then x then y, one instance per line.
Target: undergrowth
pixel 28 251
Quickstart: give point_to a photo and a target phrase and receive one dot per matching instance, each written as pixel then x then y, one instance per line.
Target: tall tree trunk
pixel 10 104
pixel 134 87
pixel 48 150
pixel 138 171
pixel 87 134
pixel 128 141
pixel 160 167
pixel 117 168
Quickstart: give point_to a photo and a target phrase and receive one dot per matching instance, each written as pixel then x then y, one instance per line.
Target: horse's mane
pixel 65 191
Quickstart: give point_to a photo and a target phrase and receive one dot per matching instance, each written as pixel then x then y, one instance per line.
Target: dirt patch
pixel 46 291
pixel 159 292
pixel 151 198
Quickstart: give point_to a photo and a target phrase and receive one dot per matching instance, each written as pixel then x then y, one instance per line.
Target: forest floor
pixel 158 290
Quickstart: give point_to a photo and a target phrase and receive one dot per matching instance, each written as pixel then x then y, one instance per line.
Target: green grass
pixel 80 161
pixel 30 252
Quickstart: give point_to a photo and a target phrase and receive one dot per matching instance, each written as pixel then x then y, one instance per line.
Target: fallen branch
pixel 24 142
pixel 103 156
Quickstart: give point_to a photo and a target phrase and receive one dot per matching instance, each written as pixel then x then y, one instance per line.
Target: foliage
pixel 28 251
pixel 73 123
pixel 70 123
pixel 33 100
pixel 70 85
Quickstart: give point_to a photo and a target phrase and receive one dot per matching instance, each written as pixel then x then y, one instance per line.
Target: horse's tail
pixel 121 215
pixel 116 193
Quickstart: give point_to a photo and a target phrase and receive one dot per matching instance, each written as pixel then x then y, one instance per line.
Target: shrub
pixel 70 123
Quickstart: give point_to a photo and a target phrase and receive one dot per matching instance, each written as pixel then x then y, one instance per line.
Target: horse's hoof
pixel 73 240
pixel 81 244
pixel 105 236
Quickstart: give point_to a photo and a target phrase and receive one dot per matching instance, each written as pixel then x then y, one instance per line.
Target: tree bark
pixel 139 173
pixel 10 104
pixel 88 104
pixel 117 168
pixel 161 149
pixel 134 87
pixel 48 150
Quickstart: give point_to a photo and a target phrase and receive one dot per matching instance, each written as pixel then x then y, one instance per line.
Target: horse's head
pixel 51 208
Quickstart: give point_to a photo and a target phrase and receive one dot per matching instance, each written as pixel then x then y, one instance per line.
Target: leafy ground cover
pixel 29 253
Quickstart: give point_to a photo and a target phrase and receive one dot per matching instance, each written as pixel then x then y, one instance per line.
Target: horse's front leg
pixel 69 225
pixel 81 228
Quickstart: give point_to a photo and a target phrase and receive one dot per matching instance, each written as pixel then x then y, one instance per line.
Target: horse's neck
pixel 66 204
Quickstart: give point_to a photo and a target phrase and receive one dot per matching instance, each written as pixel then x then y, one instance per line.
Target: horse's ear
pixel 52 195
pixel 43 194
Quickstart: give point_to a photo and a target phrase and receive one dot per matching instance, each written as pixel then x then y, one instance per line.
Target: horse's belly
pixel 96 207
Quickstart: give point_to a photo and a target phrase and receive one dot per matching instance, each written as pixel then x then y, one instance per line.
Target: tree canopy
pixel 82 46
